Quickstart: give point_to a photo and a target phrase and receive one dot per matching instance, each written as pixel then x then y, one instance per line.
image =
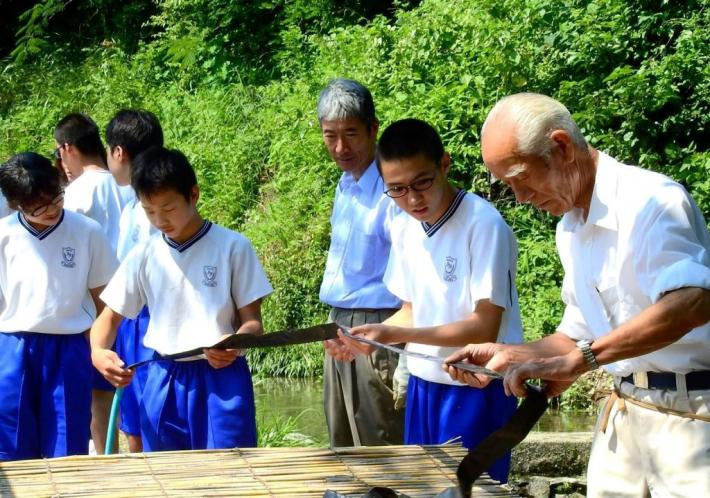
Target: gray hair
pixel 536 116
pixel 343 99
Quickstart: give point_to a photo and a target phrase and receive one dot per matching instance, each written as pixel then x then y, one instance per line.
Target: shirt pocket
pixel 361 252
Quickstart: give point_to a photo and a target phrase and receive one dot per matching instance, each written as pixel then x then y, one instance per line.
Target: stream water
pixel 302 400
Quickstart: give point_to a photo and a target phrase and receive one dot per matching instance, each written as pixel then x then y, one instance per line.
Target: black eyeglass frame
pixel 418 186
pixel 40 210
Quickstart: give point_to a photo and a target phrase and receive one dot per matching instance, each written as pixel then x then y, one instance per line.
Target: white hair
pixel 535 117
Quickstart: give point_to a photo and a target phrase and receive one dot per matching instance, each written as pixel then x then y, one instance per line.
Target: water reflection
pixel 279 399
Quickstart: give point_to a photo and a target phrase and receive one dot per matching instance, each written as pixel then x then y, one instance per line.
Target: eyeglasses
pixel 418 186
pixel 57 152
pixel 40 210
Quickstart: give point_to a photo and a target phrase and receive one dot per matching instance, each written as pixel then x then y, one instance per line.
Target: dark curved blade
pixel 503 440
pixel 248 341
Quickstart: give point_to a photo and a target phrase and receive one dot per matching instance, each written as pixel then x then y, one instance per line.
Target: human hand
pixel 558 372
pixel 220 358
pixel 338 350
pixel 490 355
pixel 385 334
pixel 111 366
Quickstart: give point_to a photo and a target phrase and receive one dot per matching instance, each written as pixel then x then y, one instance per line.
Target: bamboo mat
pixel 255 472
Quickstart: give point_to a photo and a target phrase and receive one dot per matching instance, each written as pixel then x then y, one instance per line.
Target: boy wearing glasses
pixel 50 259
pixel 453 264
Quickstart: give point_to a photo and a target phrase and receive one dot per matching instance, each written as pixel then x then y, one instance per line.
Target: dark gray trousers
pixel 358 399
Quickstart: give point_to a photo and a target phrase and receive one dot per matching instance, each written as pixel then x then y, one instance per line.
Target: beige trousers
pixel 646 453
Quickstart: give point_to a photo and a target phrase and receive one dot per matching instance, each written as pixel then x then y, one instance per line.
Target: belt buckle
pixel 641 380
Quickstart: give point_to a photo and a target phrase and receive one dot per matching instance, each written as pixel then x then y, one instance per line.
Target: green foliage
pixel 235 85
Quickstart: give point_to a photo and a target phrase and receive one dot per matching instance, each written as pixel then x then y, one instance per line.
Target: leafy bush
pixel 635 74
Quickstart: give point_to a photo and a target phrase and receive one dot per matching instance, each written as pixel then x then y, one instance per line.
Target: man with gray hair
pixel 359 396
pixel 636 253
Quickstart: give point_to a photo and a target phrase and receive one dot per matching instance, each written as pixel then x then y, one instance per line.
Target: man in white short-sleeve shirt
pixel 635 250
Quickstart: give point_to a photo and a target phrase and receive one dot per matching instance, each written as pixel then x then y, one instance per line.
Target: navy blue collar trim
pixel 40 234
pixel 191 241
pixel 430 230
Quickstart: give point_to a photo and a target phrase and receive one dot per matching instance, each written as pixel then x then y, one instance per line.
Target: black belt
pixel 694 381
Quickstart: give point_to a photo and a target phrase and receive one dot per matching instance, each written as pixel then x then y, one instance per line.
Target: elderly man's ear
pixel 564 144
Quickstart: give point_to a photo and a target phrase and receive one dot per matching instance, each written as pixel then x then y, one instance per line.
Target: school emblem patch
pixel 449 269
pixel 68 257
pixel 210 273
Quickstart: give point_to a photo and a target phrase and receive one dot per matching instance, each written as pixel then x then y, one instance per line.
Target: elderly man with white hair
pixel 636 254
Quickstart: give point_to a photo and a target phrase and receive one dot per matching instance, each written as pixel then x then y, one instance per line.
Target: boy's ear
pixel 117 153
pixel 195 194
pixel 445 163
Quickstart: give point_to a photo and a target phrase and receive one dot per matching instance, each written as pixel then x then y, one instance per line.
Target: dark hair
pixel 159 169
pixel 80 131
pixel 28 178
pixel 135 130
pixel 408 138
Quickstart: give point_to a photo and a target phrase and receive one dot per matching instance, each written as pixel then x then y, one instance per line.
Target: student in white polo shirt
pixel 93 192
pixel 453 264
pixel 49 260
pixel 130 132
pixel 200 282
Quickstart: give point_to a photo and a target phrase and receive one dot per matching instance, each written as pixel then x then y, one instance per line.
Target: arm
pixel 658 326
pixel 250 318
pixel 480 326
pixel 102 337
pixel 98 303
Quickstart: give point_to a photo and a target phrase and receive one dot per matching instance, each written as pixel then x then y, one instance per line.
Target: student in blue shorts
pixel 453 264
pixel 129 133
pixel 50 259
pixel 200 282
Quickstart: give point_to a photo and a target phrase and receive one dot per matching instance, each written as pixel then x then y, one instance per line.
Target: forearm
pixel 402 318
pixel 253 327
pixel 103 331
pixel 659 325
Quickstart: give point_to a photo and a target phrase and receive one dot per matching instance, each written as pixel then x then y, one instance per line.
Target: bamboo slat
pixel 255 472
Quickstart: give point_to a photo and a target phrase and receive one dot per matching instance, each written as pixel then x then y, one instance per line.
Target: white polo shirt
pixel 444 269
pixel 644 236
pixel 133 228
pixel 4 208
pixel 96 194
pixel 193 290
pixel 45 276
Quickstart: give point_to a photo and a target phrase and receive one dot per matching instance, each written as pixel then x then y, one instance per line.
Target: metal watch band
pixel 586 347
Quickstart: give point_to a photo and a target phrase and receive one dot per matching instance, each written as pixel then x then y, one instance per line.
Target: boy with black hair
pixel 129 133
pixel 453 264
pixel 200 281
pixel 94 193
pixel 50 259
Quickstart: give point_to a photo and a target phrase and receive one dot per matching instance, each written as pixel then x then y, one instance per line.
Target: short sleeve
pixel 249 281
pixel 675 244
pixel 573 324
pixel 395 277
pixel 103 260
pixel 494 254
pixel 124 293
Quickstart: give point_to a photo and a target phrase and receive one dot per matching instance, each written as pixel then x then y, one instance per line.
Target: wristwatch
pixel 585 347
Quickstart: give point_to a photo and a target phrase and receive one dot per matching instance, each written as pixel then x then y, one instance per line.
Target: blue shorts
pixel 436 413
pixel 188 405
pixel 129 347
pixel 45 395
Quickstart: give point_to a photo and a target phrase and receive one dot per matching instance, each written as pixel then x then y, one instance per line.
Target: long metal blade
pixel 469 367
pixel 247 341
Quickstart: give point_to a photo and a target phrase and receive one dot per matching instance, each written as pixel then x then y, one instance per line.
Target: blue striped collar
pixel 40 234
pixel 192 240
pixel 430 230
